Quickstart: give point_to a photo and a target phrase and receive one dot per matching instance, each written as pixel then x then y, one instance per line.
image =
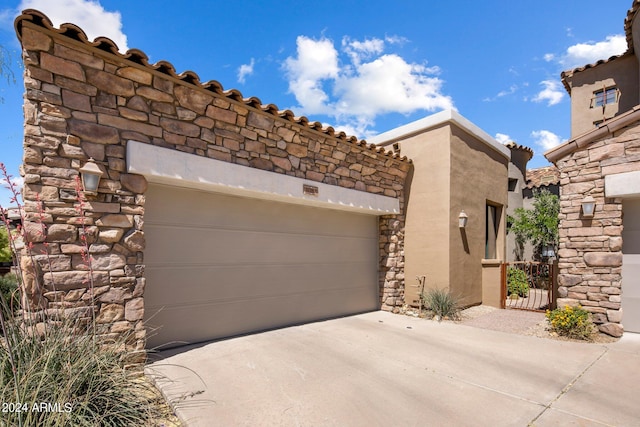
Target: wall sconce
pixel 588 206
pixel 462 219
pixel 91 175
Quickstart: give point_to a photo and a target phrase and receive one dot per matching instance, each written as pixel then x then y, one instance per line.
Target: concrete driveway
pixel 381 369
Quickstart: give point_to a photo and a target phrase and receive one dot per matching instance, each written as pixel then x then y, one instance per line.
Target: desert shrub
pixel 517 282
pixel 9 290
pixel 79 380
pixel 571 322
pixel 441 302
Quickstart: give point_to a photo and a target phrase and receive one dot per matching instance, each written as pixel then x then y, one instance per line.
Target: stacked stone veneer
pixel 591 249
pixel 86 100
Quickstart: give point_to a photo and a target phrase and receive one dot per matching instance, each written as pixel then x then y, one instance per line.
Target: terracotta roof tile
pixel 548 175
pixel 139 57
pixel 513 146
pixel 628 21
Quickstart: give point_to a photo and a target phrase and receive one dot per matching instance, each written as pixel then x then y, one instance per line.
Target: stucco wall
pixel 453 170
pixel 479 176
pixel 622 73
pixel 427 218
pixel 590 254
pixel 83 101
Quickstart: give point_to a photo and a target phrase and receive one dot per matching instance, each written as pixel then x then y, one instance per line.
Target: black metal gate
pixel 529 285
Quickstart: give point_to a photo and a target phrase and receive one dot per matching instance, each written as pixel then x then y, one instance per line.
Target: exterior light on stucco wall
pixel 462 219
pixel 588 206
pixel 91 175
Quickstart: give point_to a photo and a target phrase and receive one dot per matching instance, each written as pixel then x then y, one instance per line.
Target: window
pixel 513 184
pixel 491 231
pixel 605 96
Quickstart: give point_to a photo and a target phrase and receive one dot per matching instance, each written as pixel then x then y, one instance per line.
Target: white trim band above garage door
pixel 171 167
pixel 623 185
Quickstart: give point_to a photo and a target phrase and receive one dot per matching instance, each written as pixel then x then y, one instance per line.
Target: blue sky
pixel 362 67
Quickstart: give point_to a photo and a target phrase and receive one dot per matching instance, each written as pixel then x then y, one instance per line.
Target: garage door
pixel 631 265
pixel 220 265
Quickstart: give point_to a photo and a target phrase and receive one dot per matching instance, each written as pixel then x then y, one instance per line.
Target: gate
pixel 528 285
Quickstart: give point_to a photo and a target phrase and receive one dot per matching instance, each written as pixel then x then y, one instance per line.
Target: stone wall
pixel 86 100
pixel 591 249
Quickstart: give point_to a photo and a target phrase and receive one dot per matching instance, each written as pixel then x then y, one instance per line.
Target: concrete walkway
pixel 380 369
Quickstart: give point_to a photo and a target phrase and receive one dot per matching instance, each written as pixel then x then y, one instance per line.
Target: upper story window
pixel 604 97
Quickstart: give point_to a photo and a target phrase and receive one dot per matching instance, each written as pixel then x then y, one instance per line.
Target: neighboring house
pixel 599 254
pixel 538 179
pixel 457 168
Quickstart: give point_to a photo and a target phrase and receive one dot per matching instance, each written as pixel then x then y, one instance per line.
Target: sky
pixel 361 67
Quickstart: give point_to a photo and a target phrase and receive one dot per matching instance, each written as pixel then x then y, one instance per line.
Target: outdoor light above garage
pixel 462 219
pixel 588 206
pixel 91 175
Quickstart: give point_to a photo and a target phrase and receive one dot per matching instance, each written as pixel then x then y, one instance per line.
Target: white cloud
pixel 587 53
pixel 359 50
pixel 512 89
pixel 549 57
pixel 89 15
pixel 316 60
pixel 552 93
pixel 502 138
pixel 546 139
pixel 7 196
pixel 364 85
pixel 245 70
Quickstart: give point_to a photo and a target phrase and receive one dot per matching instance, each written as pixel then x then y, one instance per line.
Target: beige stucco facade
pixel 456 167
pixel 621 73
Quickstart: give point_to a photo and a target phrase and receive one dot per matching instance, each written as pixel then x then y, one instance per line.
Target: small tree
pixel 538 225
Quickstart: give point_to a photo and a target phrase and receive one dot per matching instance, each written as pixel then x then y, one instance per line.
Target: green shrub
pixel 9 290
pixel 441 302
pixel 571 322
pixel 83 381
pixel 517 282
pixel 5 249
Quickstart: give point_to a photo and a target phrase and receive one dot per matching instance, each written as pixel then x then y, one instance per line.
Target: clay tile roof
pixel 189 77
pixel 513 146
pixel 628 22
pixel 538 177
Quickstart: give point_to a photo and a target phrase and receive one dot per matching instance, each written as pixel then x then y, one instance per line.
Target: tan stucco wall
pixel 622 73
pixel 427 219
pixel 453 170
pixel 478 176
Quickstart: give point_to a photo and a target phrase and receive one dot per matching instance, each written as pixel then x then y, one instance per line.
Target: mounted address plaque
pixel 309 190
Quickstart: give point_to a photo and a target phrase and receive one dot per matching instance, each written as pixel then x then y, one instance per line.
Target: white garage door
pixel 631 265
pixel 219 265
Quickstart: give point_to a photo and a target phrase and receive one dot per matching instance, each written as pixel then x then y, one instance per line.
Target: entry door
pixel 631 265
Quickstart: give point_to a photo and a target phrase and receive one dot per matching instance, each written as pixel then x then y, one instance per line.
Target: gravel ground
pixel 514 321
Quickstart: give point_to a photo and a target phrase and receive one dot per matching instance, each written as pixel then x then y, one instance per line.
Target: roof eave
pixel 606 128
